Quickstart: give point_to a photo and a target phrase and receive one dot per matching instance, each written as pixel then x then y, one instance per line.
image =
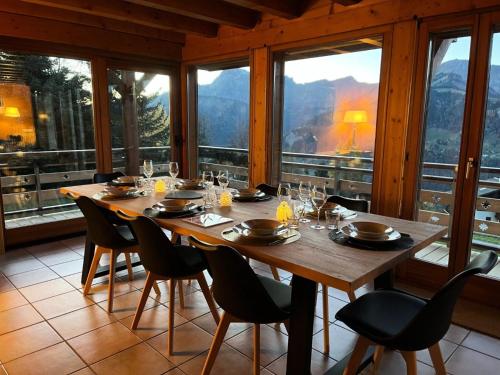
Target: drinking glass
pixel 223 178
pixel 173 169
pixel 208 179
pixel 148 168
pixel 318 197
pixel 332 218
pixel 284 192
pixel 305 197
pixel 297 212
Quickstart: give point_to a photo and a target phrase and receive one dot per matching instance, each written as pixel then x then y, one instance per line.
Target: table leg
pixel 88 255
pixel 301 326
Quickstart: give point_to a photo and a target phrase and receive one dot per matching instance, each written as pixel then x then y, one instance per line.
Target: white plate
pixel 349 232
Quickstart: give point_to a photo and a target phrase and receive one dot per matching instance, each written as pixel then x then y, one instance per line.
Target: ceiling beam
pixel 123 11
pixel 19 7
pixel 287 9
pixel 347 2
pixel 213 11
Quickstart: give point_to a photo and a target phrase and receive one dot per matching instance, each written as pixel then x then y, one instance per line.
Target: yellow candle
pixel 225 199
pixel 160 186
pixel 283 212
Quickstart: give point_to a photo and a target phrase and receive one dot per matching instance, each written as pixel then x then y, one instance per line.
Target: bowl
pixel 171 205
pixel 327 206
pixel 189 184
pixel 263 227
pixel 120 191
pixel 250 192
pixel 370 230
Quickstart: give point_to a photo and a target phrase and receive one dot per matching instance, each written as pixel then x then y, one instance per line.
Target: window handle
pixel 470 165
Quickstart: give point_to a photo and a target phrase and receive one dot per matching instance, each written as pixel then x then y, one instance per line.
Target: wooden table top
pixel 313 256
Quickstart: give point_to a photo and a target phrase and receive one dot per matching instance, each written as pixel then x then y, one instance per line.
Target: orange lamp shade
pixel 11 112
pixel 355 117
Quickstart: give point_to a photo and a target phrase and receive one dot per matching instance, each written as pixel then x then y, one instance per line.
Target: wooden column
pixel 260 127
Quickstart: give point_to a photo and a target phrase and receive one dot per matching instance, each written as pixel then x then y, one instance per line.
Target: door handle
pixel 470 165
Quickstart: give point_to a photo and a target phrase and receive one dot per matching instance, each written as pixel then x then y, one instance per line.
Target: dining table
pixel 313 259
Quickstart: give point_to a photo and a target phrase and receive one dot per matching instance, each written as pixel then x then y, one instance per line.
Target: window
pixel 139 106
pixel 222 120
pixel 329 115
pixel 46 135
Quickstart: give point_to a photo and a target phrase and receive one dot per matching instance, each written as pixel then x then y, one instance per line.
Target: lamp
pixel 354 118
pixel 11 112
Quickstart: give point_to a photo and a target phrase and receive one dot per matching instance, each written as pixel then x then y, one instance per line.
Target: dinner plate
pixel 165 207
pixel 354 235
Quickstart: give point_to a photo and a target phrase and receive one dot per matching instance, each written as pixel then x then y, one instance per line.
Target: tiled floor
pixel 48 327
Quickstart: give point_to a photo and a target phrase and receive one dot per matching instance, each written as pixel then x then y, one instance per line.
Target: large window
pixel 223 118
pixel 329 115
pixel 139 106
pixel 46 135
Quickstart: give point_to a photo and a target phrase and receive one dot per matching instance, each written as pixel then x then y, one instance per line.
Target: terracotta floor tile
pixel 27 340
pixel 57 359
pixel 195 305
pixel 341 342
pixel 447 349
pixel 68 268
pixel 207 322
pixel 51 258
pixel 139 359
pixel 175 371
pixel 5 284
pixel 99 292
pixel 163 286
pixel 466 361
pixel 189 341
pixel 75 280
pixel 319 364
pixel 483 343
pixel 11 299
pixel 47 289
pixel 126 304
pixel 273 344
pixel 153 322
pixel 456 334
pixel 33 277
pixel 84 371
pixel 13 267
pixel 103 342
pixel 81 321
pixel 62 304
pixel 19 317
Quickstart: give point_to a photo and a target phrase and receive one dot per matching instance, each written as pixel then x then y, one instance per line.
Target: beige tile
pixel 68 268
pixel 13 267
pixel 273 344
pixel 62 304
pixel 456 334
pixel 139 359
pixel 153 322
pixel 45 247
pixel 195 305
pixel 53 257
pixel 163 286
pixel 189 341
pixel 99 292
pixel 207 323
pixel 75 280
pixel 18 317
pixel 103 342
pixel 126 304
pixel 483 343
pixel 5 284
pixel 341 342
pixel 27 340
pixel 447 348
pixel 392 363
pixel 334 305
pixel 11 299
pixel 33 277
pixel 319 364
pixel 57 359
pixel 81 321
pixel 47 289
pixel 77 242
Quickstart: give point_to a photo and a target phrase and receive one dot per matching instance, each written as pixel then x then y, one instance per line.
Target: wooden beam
pixel 286 9
pixel 214 11
pixel 347 2
pixel 122 11
pixel 19 7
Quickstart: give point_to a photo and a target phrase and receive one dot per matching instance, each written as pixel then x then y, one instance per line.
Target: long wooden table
pixel 313 259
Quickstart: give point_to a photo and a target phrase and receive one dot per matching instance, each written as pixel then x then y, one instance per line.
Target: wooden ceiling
pixel 162 19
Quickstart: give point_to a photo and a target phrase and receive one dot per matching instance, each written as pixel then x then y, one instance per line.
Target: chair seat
pixel 192 260
pixel 128 237
pixel 381 315
pixel 280 293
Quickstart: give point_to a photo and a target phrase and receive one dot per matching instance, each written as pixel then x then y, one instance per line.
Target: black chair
pixel 360 205
pixel 243 295
pixel 268 189
pixel 108 238
pixel 404 322
pixel 166 261
pixel 100 178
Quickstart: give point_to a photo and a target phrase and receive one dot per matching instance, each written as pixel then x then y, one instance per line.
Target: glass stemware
pixel 173 170
pixel 208 179
pixel 318 197
pixel 305 197
pixel 148 172
pixel 284 192
pixel 223 178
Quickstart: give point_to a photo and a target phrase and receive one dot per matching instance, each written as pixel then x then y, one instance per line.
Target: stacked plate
pixel 123 181
pixel 262 229
pixel 121 191
pixel 190 185
pixel 366 231
pixel 174 205
pixel 248 194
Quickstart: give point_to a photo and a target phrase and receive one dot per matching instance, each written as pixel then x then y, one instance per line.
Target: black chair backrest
pixel 99 178
pixel 236 287
pixel 268 189
pixel 359 205
pixel 433 321
pixel 100 229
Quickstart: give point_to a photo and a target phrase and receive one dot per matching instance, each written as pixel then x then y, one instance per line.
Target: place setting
pixel 112 192
pixel 173 208
pixel 250 195
pixel 268 232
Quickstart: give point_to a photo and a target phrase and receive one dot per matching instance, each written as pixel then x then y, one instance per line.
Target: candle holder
pixel 283 212
pixel 225 199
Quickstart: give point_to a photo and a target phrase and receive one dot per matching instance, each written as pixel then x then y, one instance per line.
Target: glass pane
pixel 487 220
pixel 330 116
pixel 443 123
pixel 223 118
pixel 46 135
pixel 139 106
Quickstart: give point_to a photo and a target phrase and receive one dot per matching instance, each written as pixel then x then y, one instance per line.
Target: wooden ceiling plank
pixel 286 9
pixel 123 11
pixel 213 11
pixel 19 7
pixel 347 2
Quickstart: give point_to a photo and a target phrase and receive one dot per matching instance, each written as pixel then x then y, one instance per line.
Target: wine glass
pixel 223 178
pixel 318 197
pixel 305 197
pixel 148 168
pixel 173 170
pixel 208 179
pixel 284 192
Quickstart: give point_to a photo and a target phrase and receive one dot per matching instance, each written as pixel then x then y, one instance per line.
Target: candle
pixel 284 212
pixel 226 199
pixel 160 186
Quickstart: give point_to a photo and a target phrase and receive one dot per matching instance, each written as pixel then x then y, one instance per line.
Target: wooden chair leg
pixel 111 287
pixel 150 281
pixel 377 358
pixel 181 293
pixel 129 267
pixel 411 362
pixel 357 356
pixel 351 295
pixel 208 296
pixel 275 273
pixel 171 308
pixel 156 288
pixel 93 268
pixel 256 349
pixel 326 323
pixel 437 359
pixel 216 343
